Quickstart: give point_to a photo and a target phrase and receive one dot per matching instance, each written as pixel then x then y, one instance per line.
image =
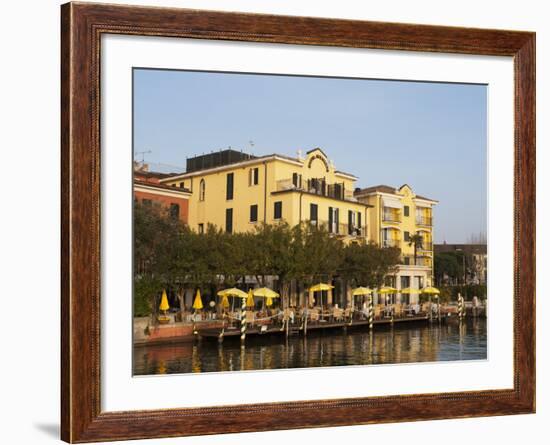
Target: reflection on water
pixel 400 344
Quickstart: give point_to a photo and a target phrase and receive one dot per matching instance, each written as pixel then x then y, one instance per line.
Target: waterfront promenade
pixel 289 322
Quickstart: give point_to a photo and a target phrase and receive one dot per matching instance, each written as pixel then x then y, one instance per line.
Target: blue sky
pixel 431 136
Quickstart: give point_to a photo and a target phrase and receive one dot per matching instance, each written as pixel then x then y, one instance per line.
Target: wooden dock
pixel 267 330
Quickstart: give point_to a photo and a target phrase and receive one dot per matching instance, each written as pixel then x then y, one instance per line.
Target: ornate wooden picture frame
pixel 82 26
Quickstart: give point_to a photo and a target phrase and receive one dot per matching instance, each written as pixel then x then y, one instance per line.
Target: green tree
pixel 416 241
pixel 447 265
pixel 146 293
pixel 321 254
pixel 168 255
pixel 156 249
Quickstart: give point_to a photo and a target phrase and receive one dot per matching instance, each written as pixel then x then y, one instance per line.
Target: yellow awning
pixel 232 292
pixel 164 306
pixel 269 302
pixel 361 291
pixel 225 301
pixel 265 292
pixel 320 287
pixel 197 304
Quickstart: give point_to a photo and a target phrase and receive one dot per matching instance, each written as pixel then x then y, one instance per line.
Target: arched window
pixel 202 190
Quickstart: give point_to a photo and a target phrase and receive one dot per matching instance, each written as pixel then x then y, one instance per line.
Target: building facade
pixel 473 259
pixel 236 192
pixel 148 190
pixel 397 215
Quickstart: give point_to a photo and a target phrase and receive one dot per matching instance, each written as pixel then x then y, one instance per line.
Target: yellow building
pixel 236 191
pixel 397 215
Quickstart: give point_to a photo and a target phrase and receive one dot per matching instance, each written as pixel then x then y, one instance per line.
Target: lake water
pixel 421 342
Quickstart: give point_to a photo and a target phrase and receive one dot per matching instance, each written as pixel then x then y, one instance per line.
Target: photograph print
pixel 287 221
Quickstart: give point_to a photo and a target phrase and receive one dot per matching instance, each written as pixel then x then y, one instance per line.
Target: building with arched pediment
pixel 236 192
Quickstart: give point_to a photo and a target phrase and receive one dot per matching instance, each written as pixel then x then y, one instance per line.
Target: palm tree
pixel 416 240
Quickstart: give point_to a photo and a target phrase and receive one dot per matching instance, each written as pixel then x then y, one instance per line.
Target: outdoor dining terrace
pixel 298 321
pixel 237 313
pixel 290 321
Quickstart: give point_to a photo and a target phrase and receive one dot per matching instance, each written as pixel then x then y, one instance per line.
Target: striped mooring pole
pixel 371 312
pixel 460 306
pixel 220 337
pixel 243 319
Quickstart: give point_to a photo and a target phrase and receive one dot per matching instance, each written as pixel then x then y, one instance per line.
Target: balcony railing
pixel 426 246
pixel 348 196
pixel 286 184
pixel 341 228
pixel 391 215
pixel 420 261
pixel 317 186
pixel 391 243
pixel 424 221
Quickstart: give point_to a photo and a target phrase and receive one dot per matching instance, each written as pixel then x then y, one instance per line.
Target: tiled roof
pixel 150 174
pixel 386 189
pixel 161 186
pixel 377 188
pixel 427 199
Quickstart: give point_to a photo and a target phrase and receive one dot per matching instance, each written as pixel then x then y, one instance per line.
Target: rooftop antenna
pixel 143 153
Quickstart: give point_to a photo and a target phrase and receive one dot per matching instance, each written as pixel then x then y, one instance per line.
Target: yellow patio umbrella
pixel 250 299
pixel 430 290
pixel 409 290
pixel 225 302
pixel 162 367
pixel 321 287
pixel 265 292
pixel 164 306
pixel 197 304
pixel 233 292
pixel 361 291
pixel 387 290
